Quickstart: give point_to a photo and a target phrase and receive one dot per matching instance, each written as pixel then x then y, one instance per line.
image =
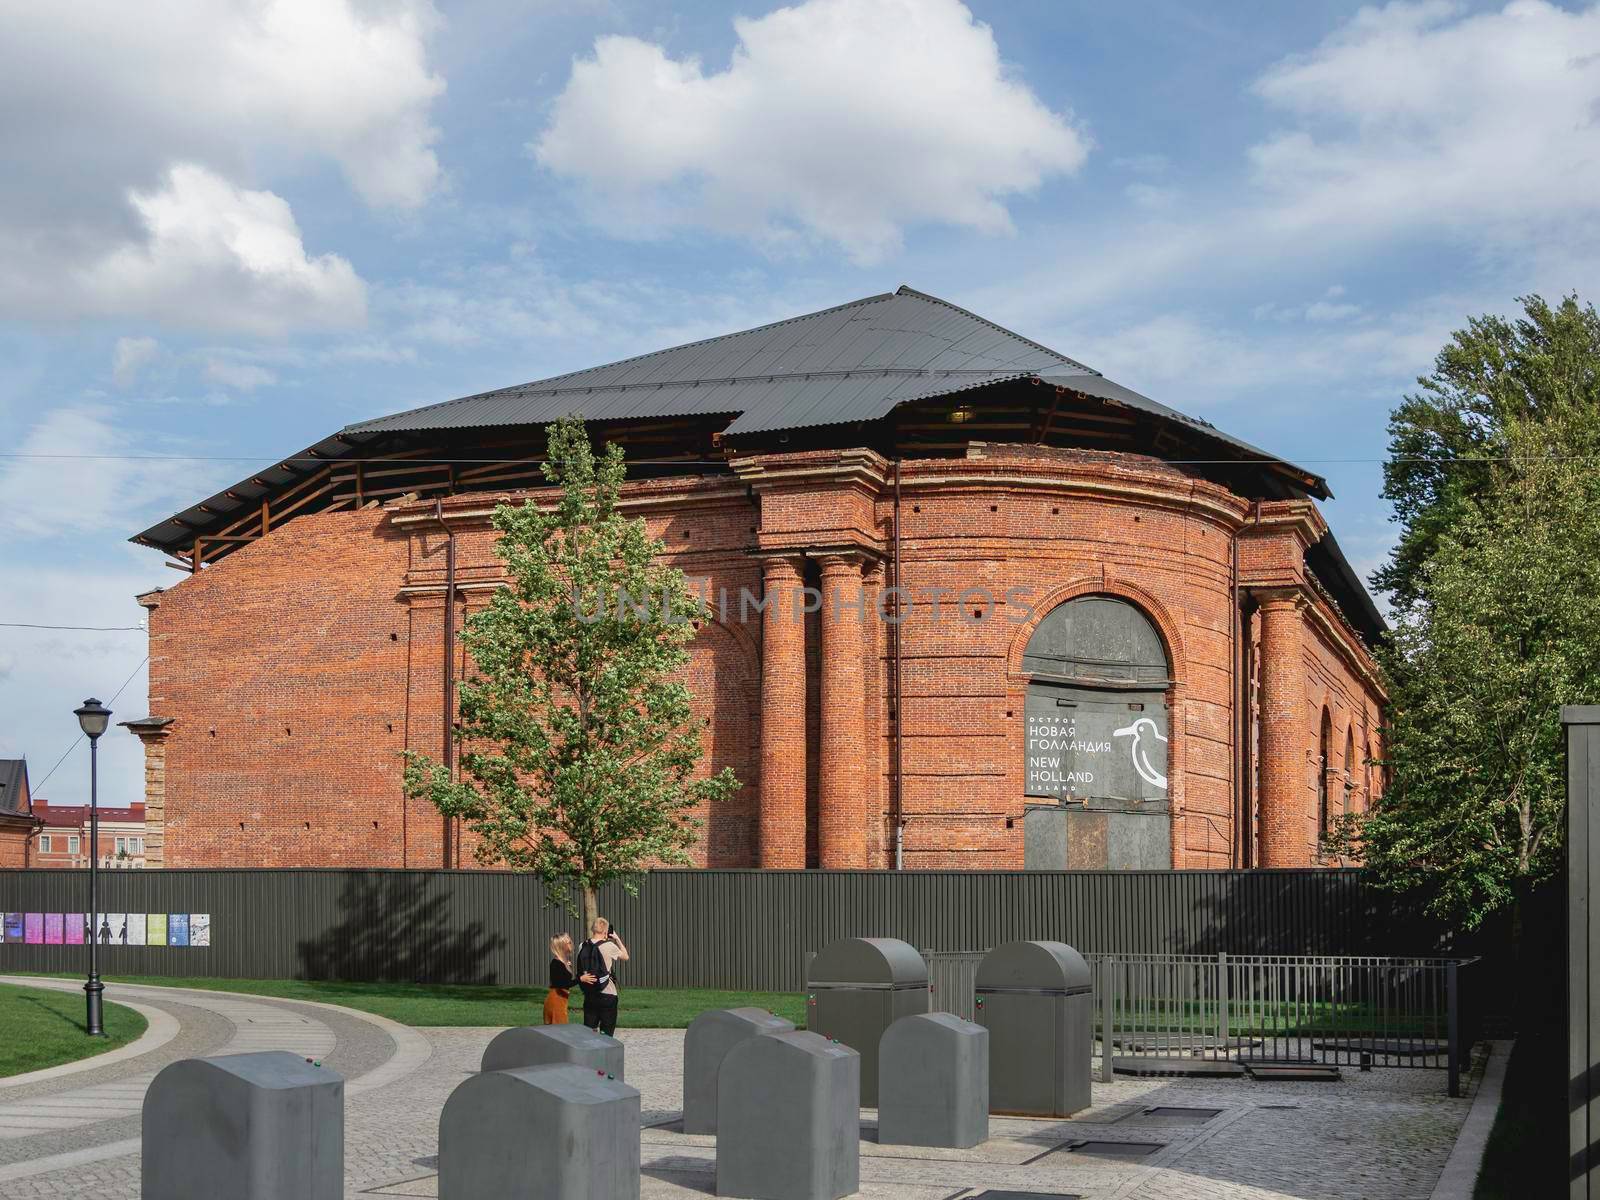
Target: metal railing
pixel 1330 1010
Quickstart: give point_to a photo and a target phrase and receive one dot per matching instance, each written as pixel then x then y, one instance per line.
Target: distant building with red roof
pixel 63 837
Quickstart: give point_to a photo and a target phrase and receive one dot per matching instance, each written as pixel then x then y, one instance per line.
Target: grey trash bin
pixel 266 1126
pixel 788 1119
pixel 857 988
pixel 709 1038
pixel 1036 1001
pixel 933 1082
pixel 548 1045
pixel 540 1133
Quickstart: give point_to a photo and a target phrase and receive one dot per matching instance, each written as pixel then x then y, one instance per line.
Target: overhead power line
pixel 35 787
pixel 722 462
pixel 78 628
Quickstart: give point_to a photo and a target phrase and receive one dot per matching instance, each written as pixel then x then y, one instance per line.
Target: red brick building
pixel 63 836
pixel 17 821
pixel 1128 639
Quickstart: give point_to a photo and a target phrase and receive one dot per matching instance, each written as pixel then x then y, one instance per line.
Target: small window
pixel 136 845
pixel 122 845
pixel 72 845
pixel 44 843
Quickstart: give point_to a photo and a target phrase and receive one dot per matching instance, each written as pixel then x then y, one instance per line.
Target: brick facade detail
pixel 297 669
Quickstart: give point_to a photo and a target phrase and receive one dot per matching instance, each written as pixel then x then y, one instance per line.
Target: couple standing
pixel 592 972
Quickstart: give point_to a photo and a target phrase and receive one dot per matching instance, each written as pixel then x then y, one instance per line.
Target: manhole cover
pixel 1002 1195
pixel 1307 1073
pixel 1117 1149
pixel 1192 1116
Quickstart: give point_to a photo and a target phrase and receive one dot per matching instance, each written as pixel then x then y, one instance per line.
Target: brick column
pixel 783 718
pixel 153 731
pixel 1281 780
pixel 842 785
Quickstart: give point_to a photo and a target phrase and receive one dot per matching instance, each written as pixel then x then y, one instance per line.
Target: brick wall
pixel 297 668
pixel 13 846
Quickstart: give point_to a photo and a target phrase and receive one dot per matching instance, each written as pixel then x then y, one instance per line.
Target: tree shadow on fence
pixel 400 928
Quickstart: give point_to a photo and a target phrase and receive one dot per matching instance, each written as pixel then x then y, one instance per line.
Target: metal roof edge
pixel 361 426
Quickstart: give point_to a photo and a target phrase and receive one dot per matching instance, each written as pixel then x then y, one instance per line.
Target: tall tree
pixel 1496 588
pixel 579 743
pixel 1492 377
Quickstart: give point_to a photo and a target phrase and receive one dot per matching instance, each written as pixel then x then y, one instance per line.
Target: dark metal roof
pixel 14 787
pixel 853 363
pixel 856 362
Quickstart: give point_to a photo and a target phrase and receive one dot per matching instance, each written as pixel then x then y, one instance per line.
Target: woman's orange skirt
pixel 555 1007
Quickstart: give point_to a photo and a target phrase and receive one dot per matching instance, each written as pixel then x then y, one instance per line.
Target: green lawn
pixel 479 1004
pixel 46 1028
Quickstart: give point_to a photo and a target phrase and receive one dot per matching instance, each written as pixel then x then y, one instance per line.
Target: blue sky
pixel 230 228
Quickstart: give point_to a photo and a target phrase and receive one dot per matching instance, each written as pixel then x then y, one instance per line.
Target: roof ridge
pixel 821 312
pixel 906 289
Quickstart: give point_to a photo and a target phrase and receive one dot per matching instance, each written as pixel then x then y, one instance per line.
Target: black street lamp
pixel 93 718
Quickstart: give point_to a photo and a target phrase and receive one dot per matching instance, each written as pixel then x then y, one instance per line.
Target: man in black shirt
pixel 595 961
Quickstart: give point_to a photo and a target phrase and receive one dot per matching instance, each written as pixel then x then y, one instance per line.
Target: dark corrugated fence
pixel 734 929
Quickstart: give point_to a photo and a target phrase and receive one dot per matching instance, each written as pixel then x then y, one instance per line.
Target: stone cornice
pixel 859 466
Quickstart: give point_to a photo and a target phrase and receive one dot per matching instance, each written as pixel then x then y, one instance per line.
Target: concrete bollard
pixel 540 1133
pixel 788 1119
pixel 711 1035
pixel 933 1082
pixel 549 1045
pixel 267 1126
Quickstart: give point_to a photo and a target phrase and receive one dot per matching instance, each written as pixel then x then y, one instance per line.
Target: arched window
pixel 1324 764
pixel 1095 739
pixel 1349 767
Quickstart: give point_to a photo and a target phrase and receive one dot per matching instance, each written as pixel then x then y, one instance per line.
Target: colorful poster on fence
pixel 136 927
pixel 178 929
pixel 13 930
pixel 120 933
pixel 155 929
pixel 73 928
pixel 33 929
pixel 52 929
pixel 199 929
pixel 106 930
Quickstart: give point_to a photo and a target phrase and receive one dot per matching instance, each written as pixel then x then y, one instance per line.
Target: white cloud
pixel 131 356
pixel 129 116
pixel 77 472
pixel 52 671
pixel 1414 114
pixel 244 377
pixel 218 256
pixel 839 120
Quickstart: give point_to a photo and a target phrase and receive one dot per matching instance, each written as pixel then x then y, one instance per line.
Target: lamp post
pixel 93 718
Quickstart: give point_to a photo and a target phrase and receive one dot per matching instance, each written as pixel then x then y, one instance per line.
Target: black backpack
pixel 590 962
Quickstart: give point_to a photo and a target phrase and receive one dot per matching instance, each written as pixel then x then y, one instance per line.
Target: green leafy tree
pixel 580 747
pixel 1496 586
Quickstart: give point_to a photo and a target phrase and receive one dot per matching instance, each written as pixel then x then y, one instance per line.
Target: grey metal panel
pixel 1582 729
pixel 706 1043
pixel 550 1045
pixel 788 1119
pixel 1033 966
pixel 265 1126
pixel 933 1086
pixel 543 1133
pixel 868 962
pixel 1035 999
pixel 1044 837
pixel 493 927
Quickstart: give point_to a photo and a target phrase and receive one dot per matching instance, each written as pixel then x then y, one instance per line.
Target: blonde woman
pixel 561 980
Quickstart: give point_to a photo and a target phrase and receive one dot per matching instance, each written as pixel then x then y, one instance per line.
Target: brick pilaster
pixel 783 717
pixel 1283 740
pixel 844 793
pixel 153 732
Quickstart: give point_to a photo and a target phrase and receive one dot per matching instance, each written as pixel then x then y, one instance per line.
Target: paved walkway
pixel 1382 1135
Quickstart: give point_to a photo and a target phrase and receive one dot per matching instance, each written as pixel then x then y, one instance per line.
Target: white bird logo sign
pixel 1145 752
